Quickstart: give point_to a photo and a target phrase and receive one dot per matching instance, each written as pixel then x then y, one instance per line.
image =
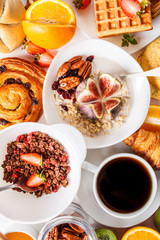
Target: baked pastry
pixel 155 8
pixel 111 20
pixel 11 37
pixel 147 145
pixel 21 85
pixel 12 12
pixel 150 59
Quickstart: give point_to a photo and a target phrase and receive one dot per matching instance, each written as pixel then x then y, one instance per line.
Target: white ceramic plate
pixel 108 59
pixel 86 192
pixel 86 22
pixel 27 208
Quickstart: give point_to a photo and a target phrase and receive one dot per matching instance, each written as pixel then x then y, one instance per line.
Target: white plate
pixel 109 59
pixel 88 202
pixel 86 22
pixel 26 208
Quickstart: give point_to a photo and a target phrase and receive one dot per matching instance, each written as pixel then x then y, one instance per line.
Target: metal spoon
pixel 20 184
pixel 151 73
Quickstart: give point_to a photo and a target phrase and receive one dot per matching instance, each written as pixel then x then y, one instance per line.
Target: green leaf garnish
pixel 128 39
pixel 144 3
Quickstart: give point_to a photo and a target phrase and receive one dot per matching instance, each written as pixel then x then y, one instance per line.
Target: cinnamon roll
pixel 21 85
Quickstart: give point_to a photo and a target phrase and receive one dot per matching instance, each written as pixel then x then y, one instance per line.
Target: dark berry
pixel 60 91
pixel 90 58
pixel 3 122
pixel 31 93
pixel 3 68
pixel 18 81
pixel 34 101
pixel 55 85
pixel 74 72
pixel 71 91
pixel 27 85
pixel 65 108
pixel 66 95
pixel 10 81
pixel 74 100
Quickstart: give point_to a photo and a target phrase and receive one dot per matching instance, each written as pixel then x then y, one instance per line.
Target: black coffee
pixel 124 185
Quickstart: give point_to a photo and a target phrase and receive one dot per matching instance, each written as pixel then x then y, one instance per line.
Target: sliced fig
pixel 87 110
pixel 113 106
pixel 87 91
pixel 97 109
pixel 80 88
pixel 92 88
pixel 108 85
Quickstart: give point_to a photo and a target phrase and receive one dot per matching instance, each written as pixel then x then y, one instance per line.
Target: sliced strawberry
pixel 14 175
pixel 32 158
pixel 130 7
pixel 35 180
pixel 44 59
pixel 33 49
pixel 81 4
pixel 47 185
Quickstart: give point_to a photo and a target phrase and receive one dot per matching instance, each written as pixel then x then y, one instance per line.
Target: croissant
pixel 147 145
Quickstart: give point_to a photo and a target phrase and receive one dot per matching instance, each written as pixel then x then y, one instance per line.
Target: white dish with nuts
pixel 83 90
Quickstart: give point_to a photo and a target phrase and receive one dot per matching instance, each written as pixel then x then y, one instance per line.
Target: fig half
pixel 87 91
pixel 108 85
pixel 113 106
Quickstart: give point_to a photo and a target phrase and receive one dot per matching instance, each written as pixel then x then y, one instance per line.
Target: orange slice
pixel 55 11
pixel 48 36
pixel 152 121
pixel 141 233
pixel 49 23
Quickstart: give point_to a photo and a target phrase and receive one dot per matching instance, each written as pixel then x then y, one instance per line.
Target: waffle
pixel 111 20
pixel 155 8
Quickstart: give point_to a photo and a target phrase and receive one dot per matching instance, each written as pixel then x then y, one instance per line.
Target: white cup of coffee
pixel 124 185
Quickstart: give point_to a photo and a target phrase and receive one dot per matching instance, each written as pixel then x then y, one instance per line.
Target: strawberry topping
pixel 35 180
pixel 32 158
pixel 130 7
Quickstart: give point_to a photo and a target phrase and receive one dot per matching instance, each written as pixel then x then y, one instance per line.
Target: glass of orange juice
pixel 19 231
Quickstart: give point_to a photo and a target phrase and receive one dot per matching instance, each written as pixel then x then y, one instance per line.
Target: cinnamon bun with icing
pixel 21 84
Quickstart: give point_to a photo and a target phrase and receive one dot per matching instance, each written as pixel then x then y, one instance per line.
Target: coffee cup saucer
pixel 89 204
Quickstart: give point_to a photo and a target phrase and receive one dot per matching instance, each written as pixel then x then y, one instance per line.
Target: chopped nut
pixel 75 59
pixel 63 69
pixel 69 82
pixel 77 65
pixel 85 70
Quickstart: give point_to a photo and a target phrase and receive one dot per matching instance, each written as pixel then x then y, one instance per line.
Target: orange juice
pixel 18 236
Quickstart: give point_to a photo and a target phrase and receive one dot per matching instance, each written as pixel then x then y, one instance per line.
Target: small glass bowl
pixel 73 214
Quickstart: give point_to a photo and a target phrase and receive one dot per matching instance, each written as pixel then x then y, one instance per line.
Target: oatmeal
pixel 92 102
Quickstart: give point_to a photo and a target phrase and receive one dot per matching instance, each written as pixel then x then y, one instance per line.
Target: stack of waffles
pixel 111 20
pixel 155 7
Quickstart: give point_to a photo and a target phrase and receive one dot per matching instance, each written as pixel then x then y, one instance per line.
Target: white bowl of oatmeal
pixel 134 94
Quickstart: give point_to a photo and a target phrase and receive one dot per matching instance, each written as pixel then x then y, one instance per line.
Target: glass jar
pixel 73 214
